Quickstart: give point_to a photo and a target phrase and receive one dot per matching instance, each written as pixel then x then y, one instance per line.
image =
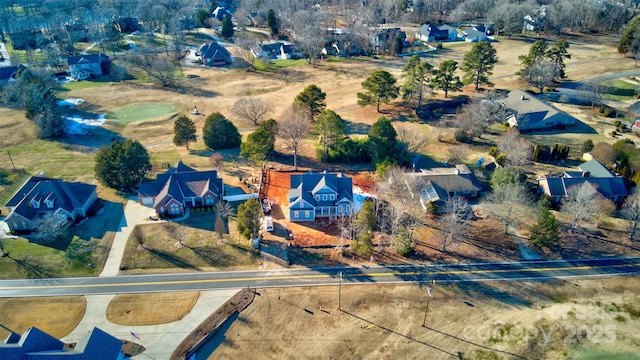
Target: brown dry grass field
pixel 596 319
pixel 150 309
pixel 57 316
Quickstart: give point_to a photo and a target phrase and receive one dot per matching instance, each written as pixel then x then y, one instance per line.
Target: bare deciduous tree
pixel 178 232
pixel 581 204
pixel 52 227
pixel 224 209
pixel 216 160
pixel 479 114
pixel 540 74
pixel 603 209
pixel 252 109
pixel 159 69
pixel 508 204
pixel 453 221
pixel 244 44
pixel 293 128
pixel 631 212
pixel 413 137
pixel 604 153
pixel 458 153
pixel 307 25
pixel 592 93
pixel 139 236
pixel 516 148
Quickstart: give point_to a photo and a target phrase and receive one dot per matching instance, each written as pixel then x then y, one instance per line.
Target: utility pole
pixel 426 311
pixel 340 292
pixel 10 158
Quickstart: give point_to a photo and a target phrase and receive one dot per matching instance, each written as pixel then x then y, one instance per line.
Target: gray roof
pixel 303 186
pixel 595 169
pixel 531 113
pixel 451 183
pixel 471 33
pixel 635 107
pixel 431 30
pixel 87 59
pixel 214 51
pixel 608 187
pixel 446 27
pixel 68 196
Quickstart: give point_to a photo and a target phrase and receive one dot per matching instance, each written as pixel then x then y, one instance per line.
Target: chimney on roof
pixel 522 97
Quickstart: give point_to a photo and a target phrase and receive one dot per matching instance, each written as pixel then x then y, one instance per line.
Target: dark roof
pixel 275 48
pixel 432 30
pixel 8 72
pixel 87 59
pixel 64 195
pixel 306 185
pixel 635 107
pixel 595 169
pixel 214 51
pixel 33 340
pixel 219 13
pixel 453 182
pixel 180 182
pixel 98 344
pixel 471 33
pixel 608 187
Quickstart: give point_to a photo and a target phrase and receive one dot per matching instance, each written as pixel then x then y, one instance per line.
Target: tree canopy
pixel 122 165
pixel 384 145
pixel 545 231
pixel 445 77
pixel 380 88
pixel 227 27
pixel 219 133
pixel 417 75
pixel 272 22
pixel 260 143
pixel 330 128
pixel 248 218
pixel 556 54
pixel 184 131
pixel 312 98
pixel 478 64
pixel 538 51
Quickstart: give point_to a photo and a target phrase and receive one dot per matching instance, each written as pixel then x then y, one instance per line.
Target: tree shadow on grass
pixel 212 256
pixel 172 259
pixel 32 269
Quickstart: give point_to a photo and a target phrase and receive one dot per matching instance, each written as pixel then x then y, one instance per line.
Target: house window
pixel 324 197
pixel 36 204
pixel 296 214
pixel 340 209
pixel 332 197
pixel 209 200
pixel 347 209
pixel 301 205
pixel 318 197
pixel 174 209
pixel 307 214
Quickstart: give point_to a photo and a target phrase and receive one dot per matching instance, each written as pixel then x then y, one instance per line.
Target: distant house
pixel 472 35
pixel 386 37
pixel 429 33
pixel 531 114
pixel 77 32
pixel 41 196
pixel 127 25
pixel 36 344
pixel 214 54
pixel 609 186
pixel 180 188
pixel 9 73
pixel 320 195
pixel 82 67
pixel 219 13
pixel 487 29
pixel 276 51
pixel 535 21
pixel 442 183
pixel 452 33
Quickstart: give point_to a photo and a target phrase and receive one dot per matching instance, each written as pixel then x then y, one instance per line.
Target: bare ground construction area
pixel 596 319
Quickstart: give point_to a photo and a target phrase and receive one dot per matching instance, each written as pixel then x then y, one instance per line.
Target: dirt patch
pixel 57 316
pixel 150 309
pixel 479 320
pixel 237 303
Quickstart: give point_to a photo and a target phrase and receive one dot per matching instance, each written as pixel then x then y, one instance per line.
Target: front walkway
pixel 159 340
pixel 134 214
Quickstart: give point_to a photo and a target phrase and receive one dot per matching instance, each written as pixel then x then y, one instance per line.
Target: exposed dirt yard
pixel 57 316
pixel 150 309
pixel 550 320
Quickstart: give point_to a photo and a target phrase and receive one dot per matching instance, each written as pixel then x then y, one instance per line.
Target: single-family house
pixel 9 73
pixel 214 54
pixel 127 25
pixel 535 21
pixel 531 114
pixel 276 51
pixel 472 35
pixel 386 37
pixel 608 185
pixel 320 195
pixel 39 197
pixel 446 182
pixel 452 32
pixel 36 344
pixel 429 33
pixel 82 67
pixel 180 188
pixel 219 13
pixel 77 32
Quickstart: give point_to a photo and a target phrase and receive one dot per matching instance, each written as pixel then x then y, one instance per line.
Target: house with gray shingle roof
pixel 443 183
pixel 82 67
pixel 429 33
pixel 40 196
pixel 35 344
pixel 214 54
pixel 473 35
pixel 320 195
pixel 531 114
pixel 179 188
pixel 608 185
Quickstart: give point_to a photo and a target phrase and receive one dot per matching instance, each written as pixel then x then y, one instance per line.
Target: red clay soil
pixel 321 232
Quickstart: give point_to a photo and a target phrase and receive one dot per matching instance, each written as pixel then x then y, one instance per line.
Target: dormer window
pixel 49 203
pixel 324 197
pixel 332 197
pixel 35 203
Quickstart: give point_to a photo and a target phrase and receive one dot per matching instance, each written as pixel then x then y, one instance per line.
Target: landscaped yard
pixel 140 112
pixel 57 316
pixel 150 309
pixel 191 245
pixel 618 89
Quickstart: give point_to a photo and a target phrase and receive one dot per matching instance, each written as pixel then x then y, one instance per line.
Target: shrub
pixel 613 133
pixel 461 135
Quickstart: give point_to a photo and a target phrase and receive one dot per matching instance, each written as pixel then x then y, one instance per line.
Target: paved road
pixel 534 270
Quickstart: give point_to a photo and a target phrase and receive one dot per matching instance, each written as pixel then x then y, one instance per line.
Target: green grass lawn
pixel 617 89
pixel 139 112
pixel 82 253
pixel 201 247
pixel 86 84
pixel 278 64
